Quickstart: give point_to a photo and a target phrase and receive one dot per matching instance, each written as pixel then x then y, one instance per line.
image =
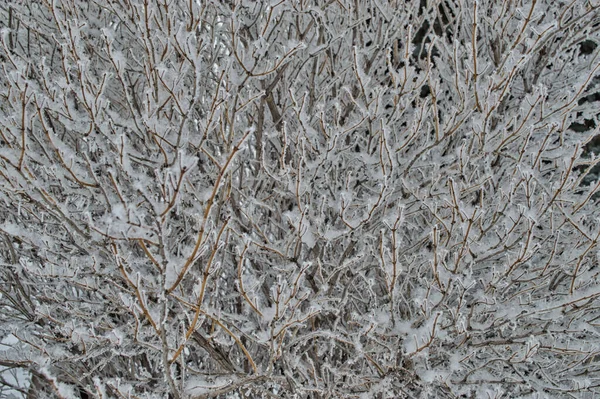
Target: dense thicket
pixel 299 199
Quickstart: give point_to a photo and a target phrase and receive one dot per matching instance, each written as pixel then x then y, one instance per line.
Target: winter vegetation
pixel 302 199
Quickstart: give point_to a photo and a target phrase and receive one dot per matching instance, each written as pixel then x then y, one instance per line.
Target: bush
pixel 299 199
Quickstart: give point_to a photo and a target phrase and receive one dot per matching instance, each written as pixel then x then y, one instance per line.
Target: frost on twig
pixel 299 199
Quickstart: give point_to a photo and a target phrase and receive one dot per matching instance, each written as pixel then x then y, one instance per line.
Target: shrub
pixel 299 199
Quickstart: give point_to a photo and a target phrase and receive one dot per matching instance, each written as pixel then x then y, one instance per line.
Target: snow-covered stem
pixel 299 198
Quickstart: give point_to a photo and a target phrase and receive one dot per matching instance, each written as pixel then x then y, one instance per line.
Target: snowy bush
pixel 299 199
